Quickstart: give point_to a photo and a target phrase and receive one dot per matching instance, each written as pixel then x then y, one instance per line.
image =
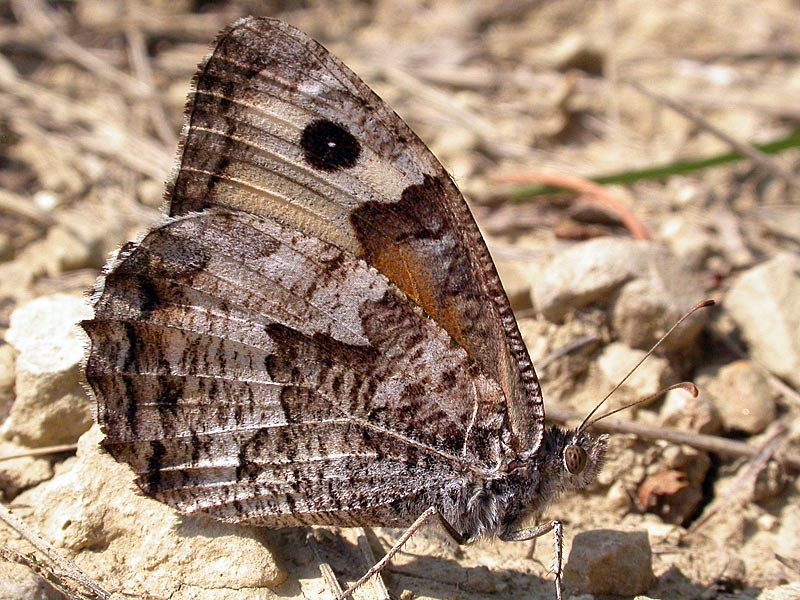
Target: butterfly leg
pixel 381 564
pixel 558 542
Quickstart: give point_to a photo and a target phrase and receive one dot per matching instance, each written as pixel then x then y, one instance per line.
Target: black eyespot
pixel 574 458
pixel 328 146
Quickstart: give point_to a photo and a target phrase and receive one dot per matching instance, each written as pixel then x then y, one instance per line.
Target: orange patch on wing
pixel 406 269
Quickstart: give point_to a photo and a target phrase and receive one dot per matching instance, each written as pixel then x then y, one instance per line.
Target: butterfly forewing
pixel 279 127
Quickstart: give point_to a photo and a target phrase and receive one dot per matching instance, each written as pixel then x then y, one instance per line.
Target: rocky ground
pixel 506 94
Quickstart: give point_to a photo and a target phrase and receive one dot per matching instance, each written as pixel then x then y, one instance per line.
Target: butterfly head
pixel 582 455
pixel 568 460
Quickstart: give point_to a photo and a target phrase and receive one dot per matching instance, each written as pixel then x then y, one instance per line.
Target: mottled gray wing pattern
pixel 278 127
pixel 265 376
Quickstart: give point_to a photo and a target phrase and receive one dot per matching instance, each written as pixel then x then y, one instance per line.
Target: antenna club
pixel 690 387
pixel 704 304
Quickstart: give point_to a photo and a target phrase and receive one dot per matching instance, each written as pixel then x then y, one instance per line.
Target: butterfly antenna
pixel 703 304
pixel 686 386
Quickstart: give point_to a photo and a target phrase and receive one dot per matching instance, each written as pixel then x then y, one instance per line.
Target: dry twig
pixel 66 567
pixel 761 159
pixel 710 443
pixel 594 193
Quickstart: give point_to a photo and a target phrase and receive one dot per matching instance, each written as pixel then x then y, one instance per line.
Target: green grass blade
pixel 661 171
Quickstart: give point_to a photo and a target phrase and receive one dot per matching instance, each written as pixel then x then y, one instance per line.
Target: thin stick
pixel 327 573
pixel 37 15
pixel 140 62
pixel 741 489
pixel 18 205
pixel 381 564
pixel 45 451
pixel 381 593
pixel 67 568
pixel 711 443
pixel 761 159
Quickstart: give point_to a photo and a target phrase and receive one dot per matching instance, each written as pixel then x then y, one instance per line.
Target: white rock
pixel 605 561
pixel 741 395
pixel 50 407
pixel 7 376
pixel 617 359
pixel 646 308
pixel 688 239
pixel 586 273
pixel 764 304
pixel 516 282
pixel 67 251
pixel 139 545
pixel 788 538
pixel 789 591
pixel 645 287
pixel 17 474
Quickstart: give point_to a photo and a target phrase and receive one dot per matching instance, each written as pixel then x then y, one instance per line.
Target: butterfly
pixel 315 334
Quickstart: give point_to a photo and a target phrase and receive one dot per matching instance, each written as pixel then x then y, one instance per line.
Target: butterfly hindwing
pixel 263 376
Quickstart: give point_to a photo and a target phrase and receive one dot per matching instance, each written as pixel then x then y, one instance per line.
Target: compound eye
pixel 574 458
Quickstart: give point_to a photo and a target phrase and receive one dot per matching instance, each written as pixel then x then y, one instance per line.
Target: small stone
pixel 788 537
pixel 763 303
pixel 586 273
pixel 767 522
pixel 516 284
pixel 770 481
pixel 618 498
pixel 734 575
pixel 66 251
pixel 690 241
pixel 577 51
pixel 683 411
pixel 789 591
pixel 51 406
pixel 646 308
pixel 740 394
pixel 150 192
pixel 644 286
pixel 617 359
pixel 605 561
pixel 18 581
pixel 18 474
pixel 481 580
